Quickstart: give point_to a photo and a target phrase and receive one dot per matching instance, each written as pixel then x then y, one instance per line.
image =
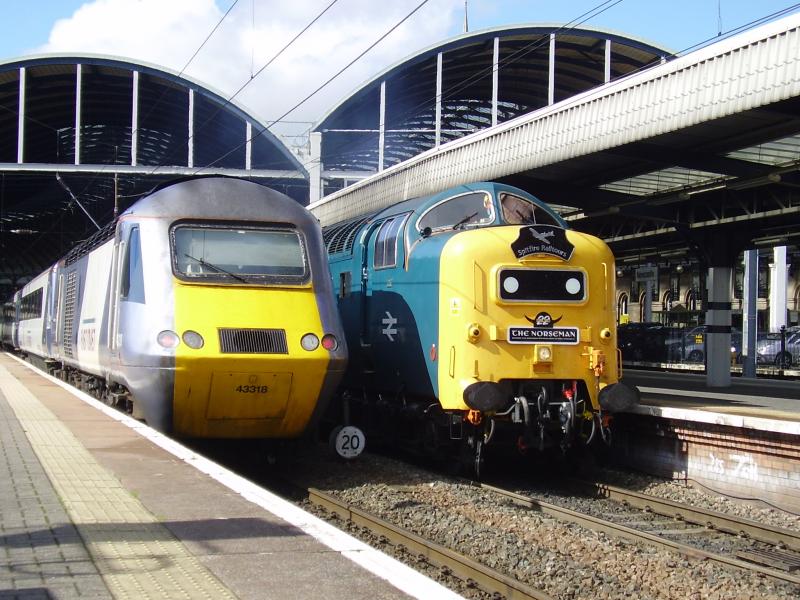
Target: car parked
pixel 690 346
pixel 643 342
pixel 768 348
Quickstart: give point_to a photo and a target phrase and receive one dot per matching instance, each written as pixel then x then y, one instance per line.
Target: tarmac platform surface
pixel 766 404
pixel 94 504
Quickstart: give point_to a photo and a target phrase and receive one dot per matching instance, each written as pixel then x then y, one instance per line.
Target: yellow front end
pixel 475 320
pixel 241 394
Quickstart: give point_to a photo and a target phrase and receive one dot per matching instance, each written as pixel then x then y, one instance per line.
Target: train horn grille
pixel 253 341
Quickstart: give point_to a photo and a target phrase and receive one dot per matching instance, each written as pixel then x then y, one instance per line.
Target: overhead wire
pixel 157 102
pixel 600 89
pixel 252 77
pixel 105 168
pixel 323 85
pixel 464 84
pixel 539 42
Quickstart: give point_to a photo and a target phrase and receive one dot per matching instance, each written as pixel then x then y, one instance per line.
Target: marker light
pixel 511 285
pixel 168 339
pixel 329 342
pixel 309 342
pixel 193 339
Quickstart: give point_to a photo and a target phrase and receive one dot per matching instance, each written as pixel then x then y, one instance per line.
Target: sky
pixel 170 33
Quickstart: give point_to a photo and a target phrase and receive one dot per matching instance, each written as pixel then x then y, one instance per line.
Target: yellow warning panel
pixel 249 395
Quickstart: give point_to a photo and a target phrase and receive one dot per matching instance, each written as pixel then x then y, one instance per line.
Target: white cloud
pixel 168 32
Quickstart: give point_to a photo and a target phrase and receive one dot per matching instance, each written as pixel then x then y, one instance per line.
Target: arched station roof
pixel 482 78
pixel 79 131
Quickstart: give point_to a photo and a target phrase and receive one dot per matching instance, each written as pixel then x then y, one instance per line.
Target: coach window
pixel 468 209
pixel 386 243
pixel 132 285
pixel 31 305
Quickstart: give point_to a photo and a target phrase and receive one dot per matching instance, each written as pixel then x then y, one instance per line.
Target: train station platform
pixel 764 404
pixel 96 505
pixel 740 441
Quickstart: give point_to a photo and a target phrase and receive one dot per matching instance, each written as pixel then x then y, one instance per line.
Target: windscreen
pixel 244 255
pixel 520 211
pixel 454 213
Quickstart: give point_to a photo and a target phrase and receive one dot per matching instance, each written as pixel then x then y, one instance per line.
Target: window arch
pixel 797 297
pixel 622 307
pixel 666 301
pixel 642 299
pixel 691 299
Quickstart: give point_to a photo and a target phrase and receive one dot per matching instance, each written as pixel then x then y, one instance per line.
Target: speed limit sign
pixel 348 441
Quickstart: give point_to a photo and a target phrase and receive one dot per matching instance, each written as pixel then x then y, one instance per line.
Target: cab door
pixel 50 329
pixel 117 263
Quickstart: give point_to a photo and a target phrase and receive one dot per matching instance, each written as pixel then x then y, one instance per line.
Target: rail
pixel 623 531
pixel 699 516
pixel 449 562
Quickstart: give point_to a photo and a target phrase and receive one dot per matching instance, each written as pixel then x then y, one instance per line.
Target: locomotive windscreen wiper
pixel 465 220
pixel 216 268
pixel 523 218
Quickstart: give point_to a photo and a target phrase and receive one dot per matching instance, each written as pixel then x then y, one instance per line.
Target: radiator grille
pixel 70 299
pixel 253 341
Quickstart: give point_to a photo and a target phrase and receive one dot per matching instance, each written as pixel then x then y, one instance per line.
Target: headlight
pixel 329 342
pixel 309 342
pixel 168 339
pixel 193 339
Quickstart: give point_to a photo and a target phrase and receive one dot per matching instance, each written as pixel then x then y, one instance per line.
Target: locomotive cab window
pixel 519 211
pixel 386 243
pixel 461 211
pixel 230 254
pixel 132 281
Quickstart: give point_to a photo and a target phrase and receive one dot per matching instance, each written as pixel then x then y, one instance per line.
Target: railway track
pixel 781 538
pixel 449 562
pixel 486 542
pixel 736 542
pixel 741 543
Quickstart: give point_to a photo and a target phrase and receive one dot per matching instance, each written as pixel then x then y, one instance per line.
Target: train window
pixel 386 243
pixel 344 284
pixel 238 254
pixel 468 209
pixel 31 305
pixel 132 283
pixel 520 211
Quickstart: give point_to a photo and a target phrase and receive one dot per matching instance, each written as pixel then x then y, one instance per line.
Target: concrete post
pixel 749 313
pixel 778 275
pixel 718 327
pixel 315 167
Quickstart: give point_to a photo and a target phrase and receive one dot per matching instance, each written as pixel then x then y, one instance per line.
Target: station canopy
pixel 464 85
pixel 83 137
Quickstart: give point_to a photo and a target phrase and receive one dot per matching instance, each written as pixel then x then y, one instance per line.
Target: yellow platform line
pixel 136 555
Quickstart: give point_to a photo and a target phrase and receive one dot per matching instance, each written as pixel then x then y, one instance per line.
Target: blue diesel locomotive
pixel 476 315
